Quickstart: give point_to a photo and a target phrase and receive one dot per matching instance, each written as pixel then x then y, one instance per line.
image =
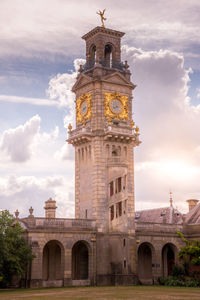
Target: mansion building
pixel 107 243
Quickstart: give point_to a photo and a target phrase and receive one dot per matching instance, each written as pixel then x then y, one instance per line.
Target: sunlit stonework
pixel 83 108
pixel 115 106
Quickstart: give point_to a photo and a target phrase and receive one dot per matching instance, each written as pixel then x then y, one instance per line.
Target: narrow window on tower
pixel 124 242
pixel 116 186
pixel 86 213
pixel 117 210
pixel 124 184
pixel 120 208
pixel 111 184
pixel 125 151
pixel 79 155
pixel 125 207
pixel 107 150
pixel 119 183
pixel 119 151
pixel 124 264
pixel 112 212
pixel 89 151
pixel 82 153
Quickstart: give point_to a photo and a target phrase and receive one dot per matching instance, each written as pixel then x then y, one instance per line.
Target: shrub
pixel 178 271
pixel 174 281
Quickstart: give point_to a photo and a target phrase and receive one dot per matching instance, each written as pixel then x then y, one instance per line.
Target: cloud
pixel 28 100
pixel 18 143
pixel 168 157
pixel 65 153
pixel 34 29
pixel 198 93
pixel 21 192
pixel 59 90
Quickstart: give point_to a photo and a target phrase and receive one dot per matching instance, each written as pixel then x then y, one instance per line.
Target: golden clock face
pixel 83 108
pixel 116 106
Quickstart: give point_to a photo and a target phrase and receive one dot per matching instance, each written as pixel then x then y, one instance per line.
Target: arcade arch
pixel 169 254
pixel 80 261
pixel 52 262
pixel 145 252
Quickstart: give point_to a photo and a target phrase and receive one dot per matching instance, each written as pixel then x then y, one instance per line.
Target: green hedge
pixel 174 281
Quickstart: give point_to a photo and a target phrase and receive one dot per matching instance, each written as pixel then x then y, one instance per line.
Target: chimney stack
pixel 50 208
pixel 192 203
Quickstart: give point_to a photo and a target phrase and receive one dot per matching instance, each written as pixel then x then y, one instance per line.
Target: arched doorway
pixel 168 259
pixel 145 263
pixel 52 267
pixel 80 261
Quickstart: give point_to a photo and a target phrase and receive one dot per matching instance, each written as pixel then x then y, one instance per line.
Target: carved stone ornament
pixel 115 106
pixel 83 108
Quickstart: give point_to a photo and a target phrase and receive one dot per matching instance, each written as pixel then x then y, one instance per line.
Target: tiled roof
pixel 193 216
pixel 168 215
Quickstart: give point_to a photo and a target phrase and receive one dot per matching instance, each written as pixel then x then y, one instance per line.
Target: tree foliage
pixel 15 253
pixel 191 252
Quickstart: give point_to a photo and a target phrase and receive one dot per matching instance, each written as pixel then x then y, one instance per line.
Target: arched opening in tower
pixel 108 56
pixel 51 263
pixel 92 58
pixel 80 261
pixel 168 259
pixel 145 263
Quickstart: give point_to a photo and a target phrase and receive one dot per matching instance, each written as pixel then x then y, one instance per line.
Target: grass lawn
pixel 104 293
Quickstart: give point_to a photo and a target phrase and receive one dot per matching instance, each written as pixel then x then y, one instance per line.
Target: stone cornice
pixel 100 29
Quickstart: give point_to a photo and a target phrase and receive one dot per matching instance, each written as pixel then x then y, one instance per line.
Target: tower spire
pixel 170 198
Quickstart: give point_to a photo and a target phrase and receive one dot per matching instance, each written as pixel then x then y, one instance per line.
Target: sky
pixel 41 49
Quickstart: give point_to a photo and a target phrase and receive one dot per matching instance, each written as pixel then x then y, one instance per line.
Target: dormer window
pixel 137 215
pixel 163 213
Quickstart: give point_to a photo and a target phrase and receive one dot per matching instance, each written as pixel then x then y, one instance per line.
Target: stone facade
pixel 106 243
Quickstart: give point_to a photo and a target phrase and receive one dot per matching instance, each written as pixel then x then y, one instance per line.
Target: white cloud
pixel 168 157
pixel 18 143
pixel 65 153
pixel 34 29
pixel 198 93
pixel 21 192
pixel 28 100
pixel 60 90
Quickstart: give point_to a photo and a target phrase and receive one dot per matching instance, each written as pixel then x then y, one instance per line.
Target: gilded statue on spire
pixel 101 13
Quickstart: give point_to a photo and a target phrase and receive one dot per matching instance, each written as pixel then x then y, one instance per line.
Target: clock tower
pixel 105 135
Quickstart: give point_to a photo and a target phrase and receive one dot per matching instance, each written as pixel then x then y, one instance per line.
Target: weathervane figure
pixel 101 13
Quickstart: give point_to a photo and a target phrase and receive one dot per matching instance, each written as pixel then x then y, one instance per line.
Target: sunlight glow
pixel 180 170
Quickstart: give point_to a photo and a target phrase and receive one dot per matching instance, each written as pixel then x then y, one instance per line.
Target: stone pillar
pixel 50 208
pixel 68 267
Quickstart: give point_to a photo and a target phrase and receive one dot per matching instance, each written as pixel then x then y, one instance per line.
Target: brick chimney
pixel 50 208
pixel 192 203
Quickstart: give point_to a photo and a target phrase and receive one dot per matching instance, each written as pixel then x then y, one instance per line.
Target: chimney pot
pixel 192 203
pixel 50 208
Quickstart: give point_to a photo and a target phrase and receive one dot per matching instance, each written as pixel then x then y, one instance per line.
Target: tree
pixel 190 254
pixel 15 253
